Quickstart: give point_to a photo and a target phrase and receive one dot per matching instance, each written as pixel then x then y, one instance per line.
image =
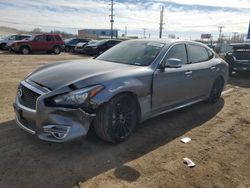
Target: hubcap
pixel 57 50
pixel 122 119
pixel 25 51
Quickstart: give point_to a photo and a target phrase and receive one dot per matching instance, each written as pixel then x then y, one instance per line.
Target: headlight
pixel 77 98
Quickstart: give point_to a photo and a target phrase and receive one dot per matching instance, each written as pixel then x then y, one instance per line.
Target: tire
pixel 3 46
pixel 116 120
pixel 230 60
pixel 25 50
pixel 66 49
pixel 57 50
pixel 216 90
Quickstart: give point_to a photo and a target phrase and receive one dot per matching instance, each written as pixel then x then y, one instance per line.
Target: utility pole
pixel 112 18
pixel 161 21
pixel 234 36
pixel 144 33
pixel 220 33
pixel 126 31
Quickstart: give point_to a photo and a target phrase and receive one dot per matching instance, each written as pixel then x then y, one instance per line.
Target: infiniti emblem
pixel 20 93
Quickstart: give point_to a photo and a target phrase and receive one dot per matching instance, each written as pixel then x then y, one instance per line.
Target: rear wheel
pixel 216 90
pixel 25 50
pixel 56 50
pixel 116 120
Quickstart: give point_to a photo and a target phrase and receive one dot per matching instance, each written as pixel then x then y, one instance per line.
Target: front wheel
pixel 216 90
pixel 116 120
pixel 3 46
pixel 57 50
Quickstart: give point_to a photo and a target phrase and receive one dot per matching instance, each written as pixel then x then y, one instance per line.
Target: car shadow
pixel 29 162
pixel 240 79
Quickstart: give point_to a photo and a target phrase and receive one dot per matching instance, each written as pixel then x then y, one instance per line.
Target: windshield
pixel 92 42
pixel 32 37
pixel 141 53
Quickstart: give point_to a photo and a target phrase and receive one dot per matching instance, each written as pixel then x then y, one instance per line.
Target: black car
pixel 100 46
pixel 239 58
pixel 70 44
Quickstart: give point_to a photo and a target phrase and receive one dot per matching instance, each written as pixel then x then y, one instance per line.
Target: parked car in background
pixel 7 41
pixel 80 46
pixel 131 82
pixel 70 44
pixel 51 43
pixel 239 58
pixel 100 46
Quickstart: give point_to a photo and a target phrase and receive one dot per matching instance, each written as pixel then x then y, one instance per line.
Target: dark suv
pixel 100 46
pixel 51 43
pixel 239 58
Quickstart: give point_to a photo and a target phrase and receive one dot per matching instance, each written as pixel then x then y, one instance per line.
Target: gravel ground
pixel 152 157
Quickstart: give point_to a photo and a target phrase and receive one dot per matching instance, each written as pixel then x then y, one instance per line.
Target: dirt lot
pixel 152 157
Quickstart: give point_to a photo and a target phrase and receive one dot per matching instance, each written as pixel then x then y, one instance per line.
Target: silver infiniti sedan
pixel 128 84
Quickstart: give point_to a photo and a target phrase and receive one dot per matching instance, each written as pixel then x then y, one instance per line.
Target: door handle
pixel 213 67
pixel 188 72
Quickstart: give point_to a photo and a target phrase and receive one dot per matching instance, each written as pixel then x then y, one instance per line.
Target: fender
pixel 140 87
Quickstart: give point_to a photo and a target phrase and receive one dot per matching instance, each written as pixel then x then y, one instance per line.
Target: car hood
pixel 89 72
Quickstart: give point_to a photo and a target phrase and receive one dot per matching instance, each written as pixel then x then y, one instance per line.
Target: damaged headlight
pixel 76 98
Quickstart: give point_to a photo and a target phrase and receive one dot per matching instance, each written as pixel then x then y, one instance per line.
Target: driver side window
pixel 178 51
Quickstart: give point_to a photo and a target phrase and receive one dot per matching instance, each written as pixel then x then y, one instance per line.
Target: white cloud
pixel 180 17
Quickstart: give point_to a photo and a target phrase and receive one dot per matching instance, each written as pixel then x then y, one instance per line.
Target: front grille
pixel 28 97
pixel 30 124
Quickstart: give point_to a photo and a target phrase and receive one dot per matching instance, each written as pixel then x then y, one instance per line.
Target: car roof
pixel 171 41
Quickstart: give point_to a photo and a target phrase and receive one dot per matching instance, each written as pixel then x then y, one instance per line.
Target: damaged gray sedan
pixel 131 82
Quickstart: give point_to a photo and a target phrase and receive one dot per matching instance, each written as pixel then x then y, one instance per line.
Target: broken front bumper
pixel 53 124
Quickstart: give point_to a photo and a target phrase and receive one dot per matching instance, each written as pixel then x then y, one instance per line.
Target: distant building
pixel 97 33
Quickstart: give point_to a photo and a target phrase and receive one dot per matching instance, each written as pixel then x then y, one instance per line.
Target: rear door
pixel 172 86
pixel 49 43
pixel 203 69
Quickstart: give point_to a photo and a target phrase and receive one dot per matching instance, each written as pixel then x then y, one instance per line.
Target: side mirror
pixel 173 63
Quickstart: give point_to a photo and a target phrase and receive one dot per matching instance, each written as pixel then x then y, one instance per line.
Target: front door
pixel 172 86
pixel 39 43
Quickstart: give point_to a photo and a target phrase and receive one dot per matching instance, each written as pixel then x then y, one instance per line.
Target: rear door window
pixel 40 38
pixel 49 38
pixel 57 38
pixel 197 53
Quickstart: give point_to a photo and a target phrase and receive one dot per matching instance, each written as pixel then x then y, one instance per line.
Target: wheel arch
pixel 135 98
pixel 26 45
pixel 132 95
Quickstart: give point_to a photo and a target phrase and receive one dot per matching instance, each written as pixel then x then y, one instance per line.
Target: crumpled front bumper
pixel 55 124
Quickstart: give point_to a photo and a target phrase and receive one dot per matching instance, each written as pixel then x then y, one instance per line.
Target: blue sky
pixel 186 19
